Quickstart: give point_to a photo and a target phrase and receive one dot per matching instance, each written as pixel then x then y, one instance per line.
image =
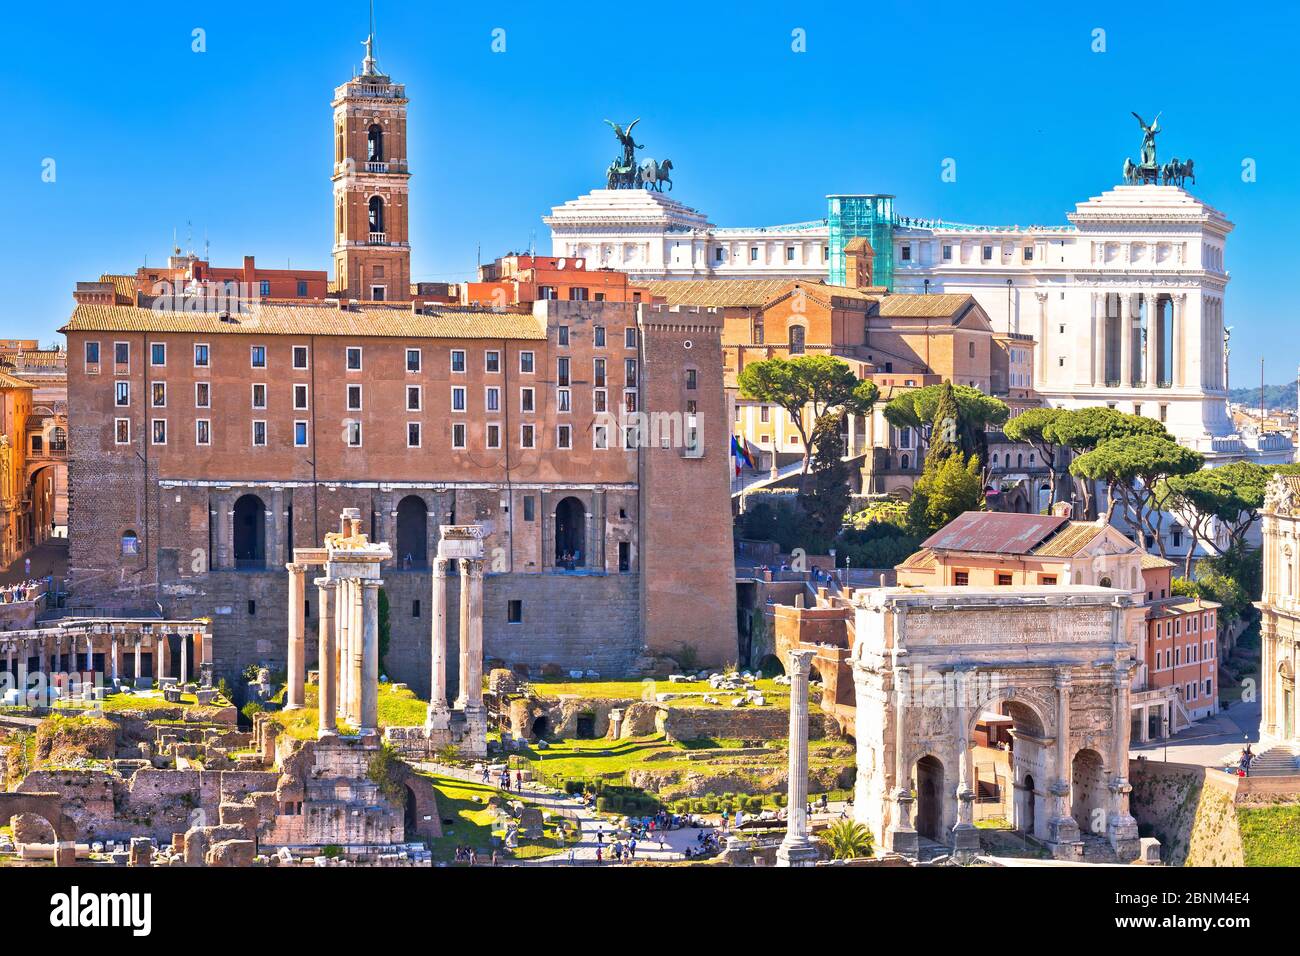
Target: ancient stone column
pixel 139 643
pixel 58 655
pixel 369 722
pixel 796 848
pixel 160 656
pixel 342 611
pixel 965 838
pixel 295 695
pixel 438 713
pixel 901 837
pixel 1121 827
pixel 471 634
pixel 1063 829
pixel 356 639
pixel 90 653
pixel 327 662
pixel 113 658
pixel 185 658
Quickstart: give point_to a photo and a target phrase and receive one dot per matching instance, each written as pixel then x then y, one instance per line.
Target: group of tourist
pixel 22 591
pixel 503 779
pixel 570 560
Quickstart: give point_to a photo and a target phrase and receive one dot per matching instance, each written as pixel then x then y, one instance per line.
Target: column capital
pixel 801 661
pixel 295 568
pixel 441 566
pixel 472 566
pixel 328 584
pixel 371 584
pixel 1063 680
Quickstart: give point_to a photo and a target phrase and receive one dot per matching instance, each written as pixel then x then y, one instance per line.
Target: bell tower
pixel 372 254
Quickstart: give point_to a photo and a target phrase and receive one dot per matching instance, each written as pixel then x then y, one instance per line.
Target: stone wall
pixel 737 723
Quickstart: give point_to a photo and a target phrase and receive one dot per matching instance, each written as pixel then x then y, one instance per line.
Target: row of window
pixel 986 252
pixel 1196 653
pixel 352 434
pixel 352 356
pixel 719 253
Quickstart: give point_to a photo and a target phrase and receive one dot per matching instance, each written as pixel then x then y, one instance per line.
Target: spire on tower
pixel 368 65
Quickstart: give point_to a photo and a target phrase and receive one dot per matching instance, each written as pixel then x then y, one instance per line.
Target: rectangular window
pixel 988 253
pixel 947 252
pixel 259 433
pixel 159 431
pixel 625 556
pixel 1029 253
pixel 961 578
pixel 300 356
pixel 92 356
pixel 302 288
pixel 526 400
pixel 202 431
pixel 259 395
pixel 492 361
pixel 493 398
pixel 458 360
pixel 525 363
pixel 458 435
pixel 562 334
pixel 1004 580
pixel 598 400
pixel 598 336
pixel 598 373
pixel 121 431
pixel 353 434
pixel 563 437
pixel 122 353
pixel 354 398
pixel 412 434
pixel 753 253
pixel 354 358
pixel 158 395
pixel 300 398
pixel 526 439
pixel 577 294
pixel 629 337
pixel 530 508
pixel 413 357
pixel 629 372
pixel 494 436
pixel 413 398
pixel 629 401
pixel 122 394
pixel 562 371
pixel 300 434
pixel 789 253
pixel 264 287
pixel 691 379
pixel 906 253
pixel 458 398
pixel 257 356
pixel 157 354
pixel 599 438
pixel 514 611
pixel 202 395
pixel 562 403
pixel 202 356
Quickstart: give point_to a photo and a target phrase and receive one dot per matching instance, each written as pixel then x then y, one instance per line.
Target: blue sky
pixel 147 135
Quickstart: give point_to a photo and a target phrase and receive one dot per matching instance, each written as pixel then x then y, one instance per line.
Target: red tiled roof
pixel 994 532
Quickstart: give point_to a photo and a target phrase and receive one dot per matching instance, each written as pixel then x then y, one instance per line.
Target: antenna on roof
pixel 176 250
pixel 206 246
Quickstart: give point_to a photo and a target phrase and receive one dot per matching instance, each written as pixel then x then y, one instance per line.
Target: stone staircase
pixel 1280 760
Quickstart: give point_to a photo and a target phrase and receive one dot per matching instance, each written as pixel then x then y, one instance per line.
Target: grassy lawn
pixel 1270 836
pixel 777 695
pixel 397 708
pixel 465 803
pixel 120 703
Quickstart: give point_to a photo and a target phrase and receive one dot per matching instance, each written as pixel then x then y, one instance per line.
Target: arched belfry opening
pixel 250 532
pixel 570 534
pixel 376 214
pixel 375 144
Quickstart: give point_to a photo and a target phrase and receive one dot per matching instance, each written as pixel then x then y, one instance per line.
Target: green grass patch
pixel 777 694
pixel 1270 836
pixel 397 708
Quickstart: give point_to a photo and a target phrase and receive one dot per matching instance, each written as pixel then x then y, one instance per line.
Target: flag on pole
pixel 740 454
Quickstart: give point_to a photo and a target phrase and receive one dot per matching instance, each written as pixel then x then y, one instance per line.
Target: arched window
pixel 1104 582
pixel 797 333
pixel 412 532
pixel 130 543
pixel 570 534
pixel 250 532
pixel 374 144
pixel 376 214
pixel 905 462
pixel 995 459
pixel 1020 460
pixel 58 439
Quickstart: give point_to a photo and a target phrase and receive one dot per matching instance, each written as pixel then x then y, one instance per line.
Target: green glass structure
pixel 862 214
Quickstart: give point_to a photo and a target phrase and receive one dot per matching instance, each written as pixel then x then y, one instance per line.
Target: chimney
pixel 1063 509
pixel 859 258
pixel 250 271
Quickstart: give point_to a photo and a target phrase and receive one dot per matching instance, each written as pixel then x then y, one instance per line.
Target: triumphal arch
pixel 1053 665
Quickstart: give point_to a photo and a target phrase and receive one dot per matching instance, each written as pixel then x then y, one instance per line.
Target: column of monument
pixel 965 836
pixel 113 658
pixel 327 661
pixel 185 658
pixel 139 643
pixel 357 640
pixel 295 696
pixel 344 618
pixel 1064 828
pixel 369 697
pixel 1098 339
pixel 902 837
pixel 1180 346
pixel 1155 328
pixel 796 848
pixel 471 642
pixel 438 716
pixel 1125 340
pixel 1121 828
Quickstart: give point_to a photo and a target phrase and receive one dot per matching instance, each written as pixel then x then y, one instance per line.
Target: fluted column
pixel 328 660
pixel 295 696
pixel 965 837
pixel 796 848
pixel 357 641
pixel 901 836
pixel 139 644
pixel 1040 353
pixel 369 690
pixel 1098 338
pixel 470 699
pixel 1125 339
pixel 185 659
pixel 90 653
pixel 1179 350
pixel 1152 375
pixel 437 716
pixel 1064 829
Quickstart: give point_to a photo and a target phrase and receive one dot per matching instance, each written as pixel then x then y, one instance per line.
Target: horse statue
pixel 1176 173
pixel 654 175
pixel 1130 172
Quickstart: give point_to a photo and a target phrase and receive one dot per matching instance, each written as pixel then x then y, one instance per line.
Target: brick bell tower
pixel 372 254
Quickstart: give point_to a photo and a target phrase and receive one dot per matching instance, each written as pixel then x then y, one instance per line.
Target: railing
pixel 378 238
pixel 377 90
pixel 376 167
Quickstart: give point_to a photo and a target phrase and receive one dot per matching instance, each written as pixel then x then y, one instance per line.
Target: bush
pixel 602 804
pixel 780 799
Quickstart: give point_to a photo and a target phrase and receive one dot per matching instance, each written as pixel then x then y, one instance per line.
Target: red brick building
pixel 1181 641
pixel 588 438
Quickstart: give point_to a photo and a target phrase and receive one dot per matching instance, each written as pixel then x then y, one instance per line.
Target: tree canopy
pixel 1030 428
pixel 975 411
